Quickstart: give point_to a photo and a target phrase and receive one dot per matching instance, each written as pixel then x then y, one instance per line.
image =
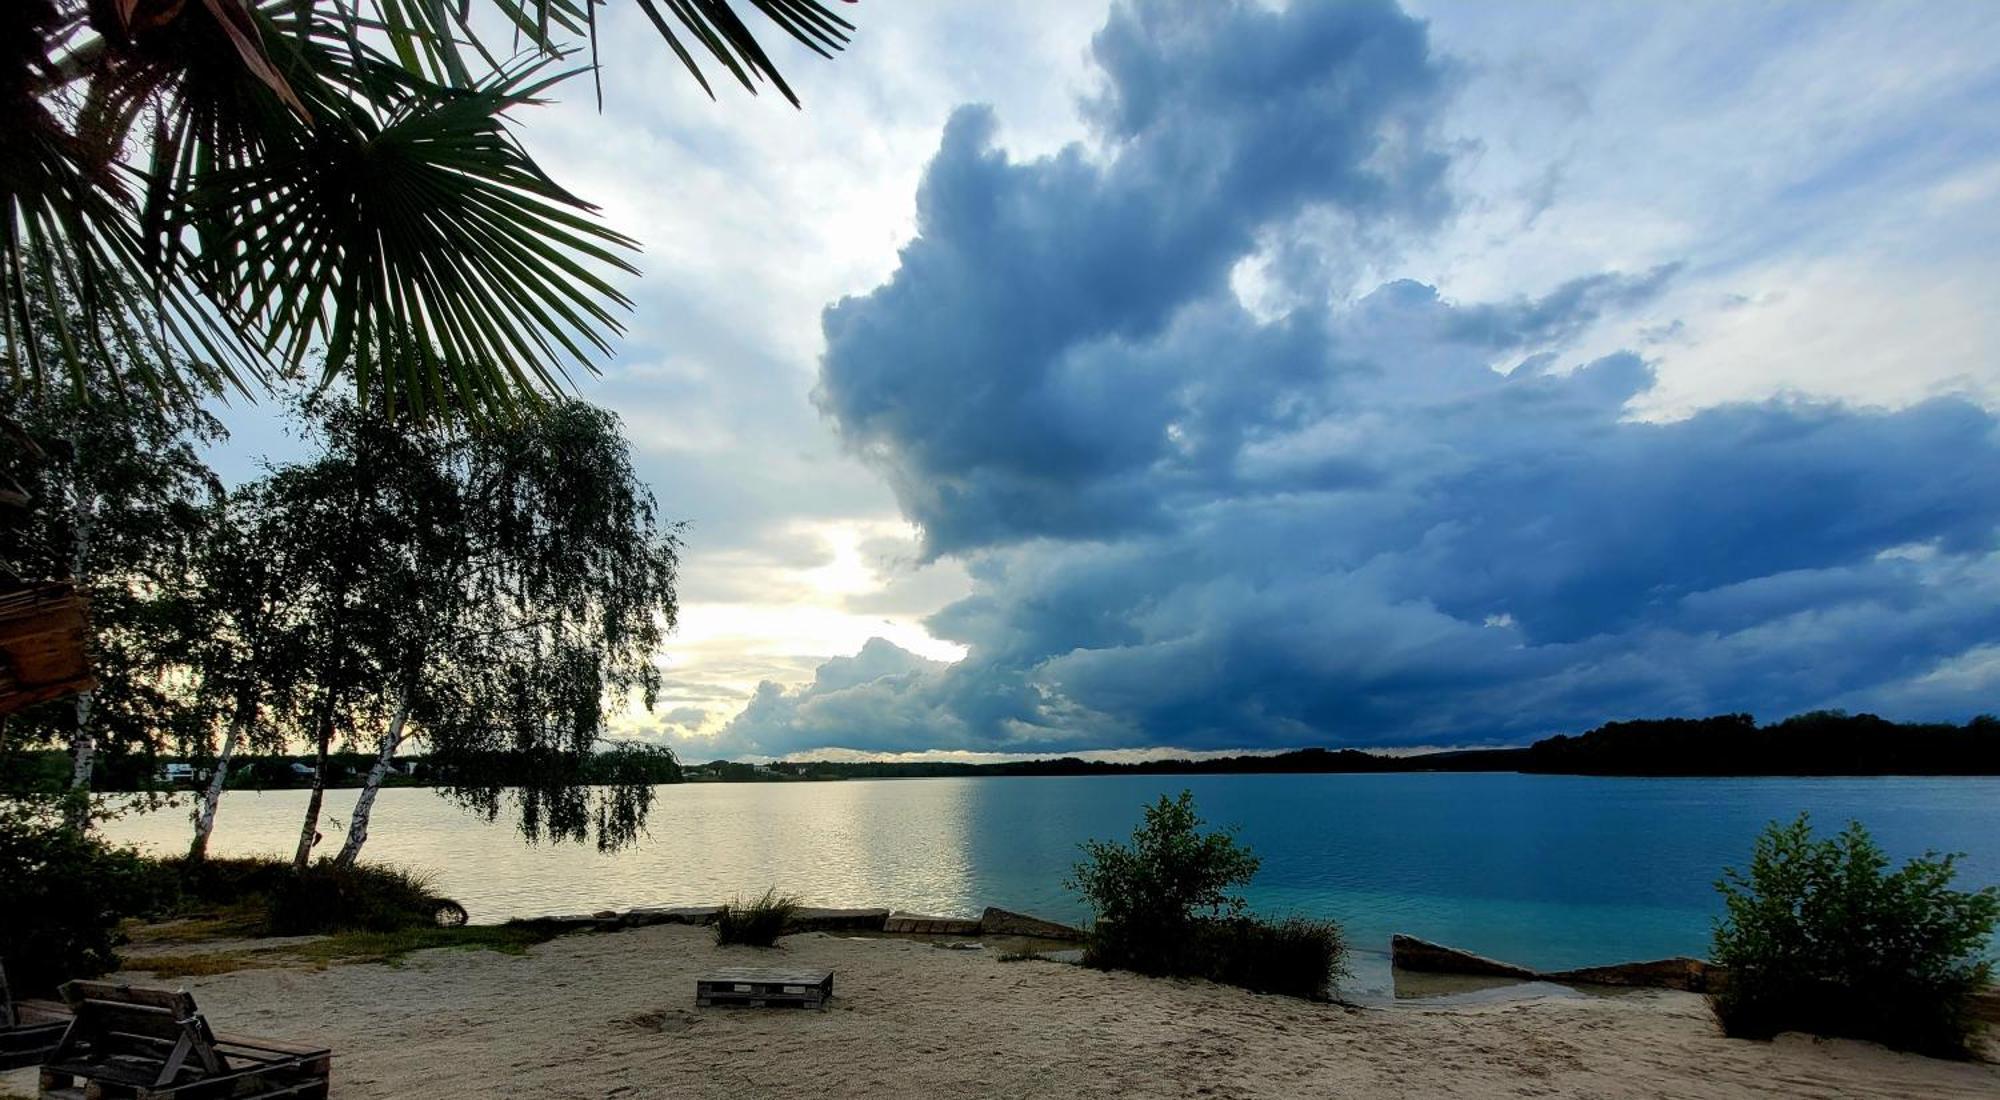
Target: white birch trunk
pixel 82 743
pixel 83 754
pixel 364 804
pixel 211 799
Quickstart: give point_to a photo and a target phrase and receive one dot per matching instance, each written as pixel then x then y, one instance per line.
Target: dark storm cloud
pixel 989 378
pixel 1401 519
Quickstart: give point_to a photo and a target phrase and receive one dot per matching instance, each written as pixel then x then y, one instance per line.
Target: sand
pixel 613 1015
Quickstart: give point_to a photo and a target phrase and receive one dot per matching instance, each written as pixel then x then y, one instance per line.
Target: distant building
pixel 177 773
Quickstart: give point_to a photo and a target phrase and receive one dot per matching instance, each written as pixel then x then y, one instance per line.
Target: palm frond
pixel 424 251
pixel 227 188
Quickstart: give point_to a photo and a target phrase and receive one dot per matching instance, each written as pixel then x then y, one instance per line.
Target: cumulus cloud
pixel 1390 518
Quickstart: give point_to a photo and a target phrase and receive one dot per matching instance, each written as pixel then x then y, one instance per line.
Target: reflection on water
pixel 834 843
pixel 1546 871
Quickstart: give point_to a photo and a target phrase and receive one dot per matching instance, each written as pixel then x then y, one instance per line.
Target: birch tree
pixel 520 636
pixel 343 521
pixel 243 601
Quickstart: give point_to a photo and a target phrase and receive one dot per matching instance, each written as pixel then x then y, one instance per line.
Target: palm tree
pixel 227 188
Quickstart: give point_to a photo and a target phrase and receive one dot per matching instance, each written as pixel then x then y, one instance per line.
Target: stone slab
pixel 1411 953
pixel 670 914
pixel 1003 922
pixel 919 924
pixel 1688 975
pixel 837 920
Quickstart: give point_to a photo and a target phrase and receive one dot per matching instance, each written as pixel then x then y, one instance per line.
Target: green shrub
pixel 1820 937
pixel 65 893
pixel 758 924
pixel 367 897
pixel 1164 906
pixel 1171 873
pixel 217 882
pixel 1295 956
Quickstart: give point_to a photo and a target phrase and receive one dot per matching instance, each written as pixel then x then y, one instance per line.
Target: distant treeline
pixel 43 768
pixel 1818 743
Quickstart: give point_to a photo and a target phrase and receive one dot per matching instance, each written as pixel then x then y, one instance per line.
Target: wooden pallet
pixel 764 987
pixel 29 1030
pixel 31 1040
pixel 132 1043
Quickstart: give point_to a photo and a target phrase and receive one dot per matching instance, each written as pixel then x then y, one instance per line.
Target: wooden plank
pixel 43 629
pixel 136 1043
pixel 768 974
pixel 271 1046
pixel 764 987
pixel 176 1001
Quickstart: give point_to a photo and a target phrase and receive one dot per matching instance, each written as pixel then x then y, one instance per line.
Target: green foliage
pixel 332 175
pixel 1165 906
pixel 1295 956
pixel 116 505
pixel 278 900
pixel 1821 937
pixel 65 894
pixel 1171 872
pixel 362 897
pixel 218 882
pixel 758 924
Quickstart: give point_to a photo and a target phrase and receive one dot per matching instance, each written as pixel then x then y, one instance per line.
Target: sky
pixel 1202 377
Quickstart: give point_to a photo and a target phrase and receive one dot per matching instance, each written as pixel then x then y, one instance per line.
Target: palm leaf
pixel 225 188
pixel 425 250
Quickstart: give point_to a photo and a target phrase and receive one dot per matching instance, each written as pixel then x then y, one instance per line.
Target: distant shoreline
pixel 1820 744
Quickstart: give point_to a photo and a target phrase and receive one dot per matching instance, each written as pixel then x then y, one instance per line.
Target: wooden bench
pixel 762 987
pixel 134 1043
pixel 29 1030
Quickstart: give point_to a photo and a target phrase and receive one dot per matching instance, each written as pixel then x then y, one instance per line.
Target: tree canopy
pixel 271 180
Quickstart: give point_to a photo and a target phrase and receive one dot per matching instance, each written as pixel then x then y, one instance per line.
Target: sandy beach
pixel 613 1015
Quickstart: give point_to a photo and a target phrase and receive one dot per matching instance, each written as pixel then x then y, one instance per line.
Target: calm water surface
pixel 1549 871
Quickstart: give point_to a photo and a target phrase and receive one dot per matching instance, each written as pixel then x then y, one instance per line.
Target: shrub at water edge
pixel 1164 906
pixel 1294 956
pixel 1820 937
pixel 758 924
pixel 369 897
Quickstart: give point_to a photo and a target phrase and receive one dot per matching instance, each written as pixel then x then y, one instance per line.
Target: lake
pixel 1547 871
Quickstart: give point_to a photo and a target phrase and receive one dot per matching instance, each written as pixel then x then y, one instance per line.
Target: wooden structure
pixel 29 1030
pixel 44 629
pixel 132 1043
pixel 763 987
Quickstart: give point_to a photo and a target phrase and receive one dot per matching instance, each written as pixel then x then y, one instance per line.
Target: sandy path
pixel 612 1015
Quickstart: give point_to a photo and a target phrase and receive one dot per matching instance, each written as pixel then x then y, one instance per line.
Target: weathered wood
pixel 136 1043
pixel 762 987
pixel 43 631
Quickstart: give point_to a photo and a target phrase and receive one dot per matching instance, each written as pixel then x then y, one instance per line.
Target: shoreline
pixel 613 1015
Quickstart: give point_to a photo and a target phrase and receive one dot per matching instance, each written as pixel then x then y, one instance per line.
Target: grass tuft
pixel 758 924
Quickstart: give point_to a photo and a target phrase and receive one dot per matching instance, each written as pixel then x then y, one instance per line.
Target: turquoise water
pixel 1548 871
